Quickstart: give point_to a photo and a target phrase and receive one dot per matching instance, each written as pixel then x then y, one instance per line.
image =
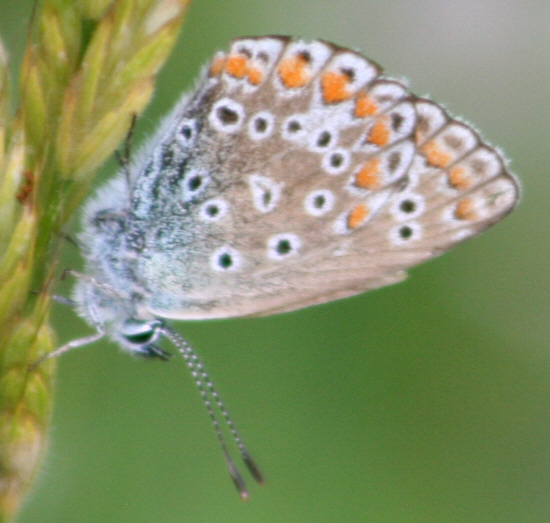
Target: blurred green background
pixel 428 401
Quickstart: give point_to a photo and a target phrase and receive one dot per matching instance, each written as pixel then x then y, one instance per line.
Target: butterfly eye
pixel 138 337
pixel 139 333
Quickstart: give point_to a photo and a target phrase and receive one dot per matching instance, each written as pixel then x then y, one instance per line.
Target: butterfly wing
pixel 296 174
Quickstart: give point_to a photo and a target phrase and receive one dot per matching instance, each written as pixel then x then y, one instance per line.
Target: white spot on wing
pixel 266 193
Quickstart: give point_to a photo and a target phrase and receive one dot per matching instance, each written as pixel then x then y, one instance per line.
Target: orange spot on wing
pixel 458 179
pixel 237 66
pixel 369 176
pixel 217 66
pixel 255 76
pixel 380 133
pixel 293 72
pixel 435 155
pixel 365 106
pixel 465 210
pixel 335 87
pixel 357 216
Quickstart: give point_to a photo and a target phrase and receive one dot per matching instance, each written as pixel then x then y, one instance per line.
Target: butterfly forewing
pixel 296 174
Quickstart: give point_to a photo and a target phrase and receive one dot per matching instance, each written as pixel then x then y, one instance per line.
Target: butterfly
pixel 295 173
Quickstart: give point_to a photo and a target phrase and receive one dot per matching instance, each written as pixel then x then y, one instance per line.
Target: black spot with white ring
pixel 305 55
pixel 319 203
pixel 225 259
pixel 261 125
pixel 336 161
pixel 187 131
pixel 323 141
pixel 283 246
pixel 213 210
pixel 226 116
pixel 407 206
pixel 397 120
pixel 294 127
pixel 406 233
pixel 244 51
pixel 410 205
pixel 194 183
